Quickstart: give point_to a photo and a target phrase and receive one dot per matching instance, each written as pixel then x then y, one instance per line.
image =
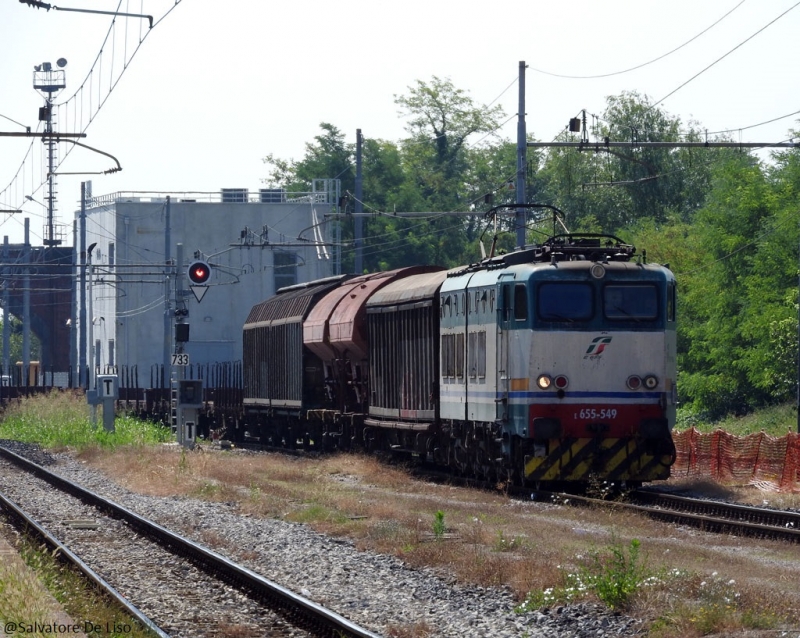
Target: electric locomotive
pixel 559 363
pixel 553 364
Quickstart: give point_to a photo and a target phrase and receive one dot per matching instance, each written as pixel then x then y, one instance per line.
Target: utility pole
pixel 167 352
pixel 26 305
pixel 82 381
pixel 6 313
pixel 521 159
pixel 359 221
pixel 73 310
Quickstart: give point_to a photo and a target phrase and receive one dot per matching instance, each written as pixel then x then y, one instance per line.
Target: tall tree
pixel 441 118
pixel 327 157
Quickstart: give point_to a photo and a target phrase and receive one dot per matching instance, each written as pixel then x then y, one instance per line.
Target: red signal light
pixel 199 272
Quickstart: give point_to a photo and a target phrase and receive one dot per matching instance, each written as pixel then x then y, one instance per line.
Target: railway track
pixel 207 588
pixel 719 516
pixel 708 515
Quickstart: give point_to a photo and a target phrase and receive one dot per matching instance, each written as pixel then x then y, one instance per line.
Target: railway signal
pixel 199 273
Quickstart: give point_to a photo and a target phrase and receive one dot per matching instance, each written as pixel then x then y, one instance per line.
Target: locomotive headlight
pixel 634 382
pixel 650 382
pixel 544 381
pixel 598 272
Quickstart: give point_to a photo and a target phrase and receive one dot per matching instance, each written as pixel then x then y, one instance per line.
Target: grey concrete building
pixel 254 242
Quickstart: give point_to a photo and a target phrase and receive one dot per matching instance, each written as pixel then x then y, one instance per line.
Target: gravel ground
pixel 376 591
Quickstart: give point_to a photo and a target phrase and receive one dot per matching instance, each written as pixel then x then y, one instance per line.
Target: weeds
pixel 438 524
pixel 613 576
pixel 61 419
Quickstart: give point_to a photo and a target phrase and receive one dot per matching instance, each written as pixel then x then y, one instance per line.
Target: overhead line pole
pixel 521 158
pixel 359 208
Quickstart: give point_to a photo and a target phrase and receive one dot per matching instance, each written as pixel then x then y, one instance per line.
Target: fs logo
pixel 596 347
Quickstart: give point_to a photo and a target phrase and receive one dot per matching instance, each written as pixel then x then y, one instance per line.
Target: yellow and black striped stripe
pixel 623 459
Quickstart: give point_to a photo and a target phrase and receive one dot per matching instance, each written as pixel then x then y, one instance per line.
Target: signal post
pixel 187 394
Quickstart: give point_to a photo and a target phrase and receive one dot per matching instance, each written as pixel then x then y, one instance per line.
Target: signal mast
pixel 49 81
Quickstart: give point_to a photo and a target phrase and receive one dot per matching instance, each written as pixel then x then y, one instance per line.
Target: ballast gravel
pixel 378 592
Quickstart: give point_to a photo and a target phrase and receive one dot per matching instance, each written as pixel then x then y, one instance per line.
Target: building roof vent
pixel 271 195
pixel 234 195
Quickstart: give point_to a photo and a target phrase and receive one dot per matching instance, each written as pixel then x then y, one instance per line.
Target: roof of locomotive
pixel 565 253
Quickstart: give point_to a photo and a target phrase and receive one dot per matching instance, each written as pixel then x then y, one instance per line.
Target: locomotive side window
pixel 671 301
pixel 638 302
pixel 567 301
pixel 481 354
pixel 520 302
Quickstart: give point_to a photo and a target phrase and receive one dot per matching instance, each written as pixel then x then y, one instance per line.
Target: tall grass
pixel 61 419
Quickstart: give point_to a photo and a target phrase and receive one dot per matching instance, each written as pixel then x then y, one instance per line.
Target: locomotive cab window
pixel 520 302
pixel 626 302
pixel 565 301
pixel 671 293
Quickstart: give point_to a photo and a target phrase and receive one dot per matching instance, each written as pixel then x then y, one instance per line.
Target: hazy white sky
pixel 216 86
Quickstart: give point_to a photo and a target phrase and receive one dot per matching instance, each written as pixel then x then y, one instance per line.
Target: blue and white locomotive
pixel 559 363
pixel 547 365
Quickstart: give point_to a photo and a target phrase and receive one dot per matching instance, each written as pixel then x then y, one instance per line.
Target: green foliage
pixel 15 341
pixel 438 524
pixel 614 576
pixel 61 419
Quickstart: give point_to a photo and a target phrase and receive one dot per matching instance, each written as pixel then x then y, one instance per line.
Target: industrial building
pixel 135 291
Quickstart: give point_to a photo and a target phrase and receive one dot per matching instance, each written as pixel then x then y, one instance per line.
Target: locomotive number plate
pixel 596 413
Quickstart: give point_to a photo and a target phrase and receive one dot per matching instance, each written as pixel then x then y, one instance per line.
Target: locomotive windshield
pixel 567 301
pixel 574 302
pixel 639 302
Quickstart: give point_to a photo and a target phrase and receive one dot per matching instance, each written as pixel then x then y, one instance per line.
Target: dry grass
pixel 22 596
pixel 698 584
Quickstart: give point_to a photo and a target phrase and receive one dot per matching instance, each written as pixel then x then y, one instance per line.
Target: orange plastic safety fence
pixel 724 457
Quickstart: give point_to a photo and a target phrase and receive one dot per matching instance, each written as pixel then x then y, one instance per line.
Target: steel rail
pixel 25 520
pixel 724 517
pixel 316 618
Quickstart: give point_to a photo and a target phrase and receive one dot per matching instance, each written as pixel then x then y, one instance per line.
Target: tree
pixel 329 156
pixel 613 188
pixel 16 341
pixel 441 118
pixel 718 318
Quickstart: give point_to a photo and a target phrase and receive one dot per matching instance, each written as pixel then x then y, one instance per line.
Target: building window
pixel 285 269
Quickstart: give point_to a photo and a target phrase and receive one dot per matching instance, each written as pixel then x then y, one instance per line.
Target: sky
pixel 214 86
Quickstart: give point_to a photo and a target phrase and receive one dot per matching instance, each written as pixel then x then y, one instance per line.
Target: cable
pixel 725 56
pixel 744 128
pixel 639 66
